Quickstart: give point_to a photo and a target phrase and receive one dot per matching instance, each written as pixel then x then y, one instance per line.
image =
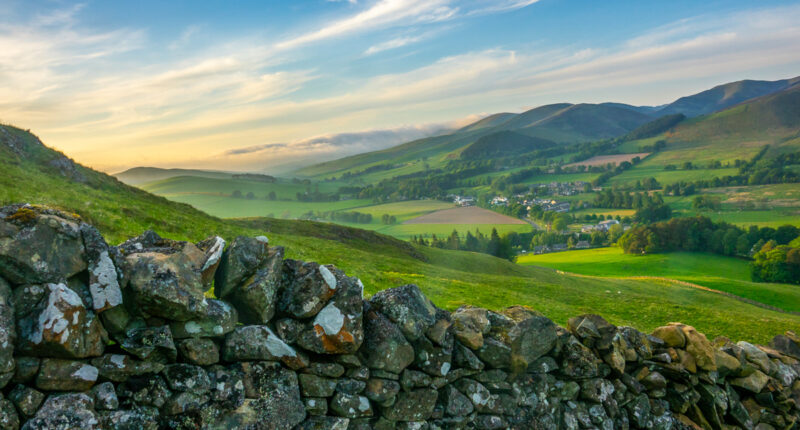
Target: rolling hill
pixel 39 175
pixel 141 175
pixel 724 96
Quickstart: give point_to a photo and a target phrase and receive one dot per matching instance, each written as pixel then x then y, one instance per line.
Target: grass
pixel 728 274
pixel 449 278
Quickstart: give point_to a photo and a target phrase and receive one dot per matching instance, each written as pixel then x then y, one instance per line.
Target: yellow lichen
pixel 22 215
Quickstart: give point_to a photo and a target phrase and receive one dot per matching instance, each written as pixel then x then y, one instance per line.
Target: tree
pixel 560 224
pixel 250 196
pixel 272 196
pixel 237 194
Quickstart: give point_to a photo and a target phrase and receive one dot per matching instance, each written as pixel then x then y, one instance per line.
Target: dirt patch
pixel 466 215
pixel 602 160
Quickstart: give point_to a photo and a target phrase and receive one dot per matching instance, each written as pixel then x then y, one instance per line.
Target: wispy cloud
pixel 393 44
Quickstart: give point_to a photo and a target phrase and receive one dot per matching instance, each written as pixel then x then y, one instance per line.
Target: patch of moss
pixel 22 215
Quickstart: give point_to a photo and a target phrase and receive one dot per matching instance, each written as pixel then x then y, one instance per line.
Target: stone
pixel 52 321
pixel 469 326
pixel 464 357
pixel 331 370
pixel 275 399
pixel 227 387
pixel 755 382
pixel 199 351
pixel 597 390
pixel 26 399
pixel 105 397
pixel 672 335
pixel 755 355
pixel 406 307
pixel 454 403
pixel 639 344
pixel 26 370
pixel 8 330
pixel 578 361
pixel 416 405
pixel 385 348
pixel 187 377
pixel 350 405
pixel 482 399
pixel 217 320
pixel 381 390
pixel 434 359
pixel 256 298
pixel 350 386
pixel 9 419
pixel 306 288
pixel 184 402
pixel 65 375
pixel 316 386
pixel 530 339
pixel 39 246
pixel 213 248
pixel 494 353
pixel 144 390
pixel 337 328
pixel 324 423
pixel 414 379
pixel 700 348
pixel 139 418
pixel 103 277
pixel 151 344
pixel 258 342
pixel 786 346
pixel 119 367
pixel 239 262
pixel 65 411
pixel 164 277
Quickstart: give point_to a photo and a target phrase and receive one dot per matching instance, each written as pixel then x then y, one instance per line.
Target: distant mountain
pixel 141 175
pixel 725 96
pixel 503 144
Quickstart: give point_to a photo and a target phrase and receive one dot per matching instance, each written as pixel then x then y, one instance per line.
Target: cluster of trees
pixel 388 219
pixel 316 196
pixel 701 234
pixel 710 203
pixel 493 244
pixel 351 217
pixel 616 199
pixel 777 263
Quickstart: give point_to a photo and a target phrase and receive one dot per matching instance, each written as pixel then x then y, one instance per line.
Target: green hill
pixel 725 96
pixel 141 175
pixel 36 174
pixel 503 144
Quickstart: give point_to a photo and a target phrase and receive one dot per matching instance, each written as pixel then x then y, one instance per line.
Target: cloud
pixel 393 44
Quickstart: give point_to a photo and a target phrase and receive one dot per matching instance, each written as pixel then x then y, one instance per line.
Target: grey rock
pixel 213 248
pixel 469 326
pixel 381 390
pixel 39 246
pixel 144 390
pixel 218 319
pixel 139 418
pixel 65 375
pixel 187 377
pixel 316 386
pixel 454 403
pixel 151 344
pixel 26 399
pixel 103 277
pixel 26 369
pixel 324 423
pixel 256 298
pixel 338 327
pixel 65 411
pixel 9 419
pixel 350 406
pixel 52 321
pixel 119 367
pixel 105 397
pixel 416 405
pixel 385 348
pixel 277 403
pixel 199 351
pixel 238 262
pixel 8 330
pixel 407 308
pixel 257 342
pixel 306 288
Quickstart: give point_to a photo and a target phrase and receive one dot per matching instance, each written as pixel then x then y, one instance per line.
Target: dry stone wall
pixel 127 337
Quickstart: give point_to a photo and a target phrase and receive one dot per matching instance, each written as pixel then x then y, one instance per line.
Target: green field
pixel 728 274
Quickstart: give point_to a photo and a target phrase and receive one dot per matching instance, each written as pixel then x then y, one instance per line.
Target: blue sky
pixel 268 86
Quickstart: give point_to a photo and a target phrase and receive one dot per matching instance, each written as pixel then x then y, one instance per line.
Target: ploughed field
pixel 602 160
pixel 464 215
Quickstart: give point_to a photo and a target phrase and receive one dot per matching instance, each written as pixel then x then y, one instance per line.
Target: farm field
pixel 728 274
pixel 464 215
pixel 602 160
pixel 406 231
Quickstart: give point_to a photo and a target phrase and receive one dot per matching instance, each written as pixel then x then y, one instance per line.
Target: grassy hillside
pixel 728 274
pixel 36 174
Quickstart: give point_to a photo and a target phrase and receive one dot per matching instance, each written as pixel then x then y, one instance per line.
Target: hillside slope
pixel 724 96
pixel 36 174
pixel 141 175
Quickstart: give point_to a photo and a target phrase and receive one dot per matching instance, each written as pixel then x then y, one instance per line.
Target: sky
pixel 269 86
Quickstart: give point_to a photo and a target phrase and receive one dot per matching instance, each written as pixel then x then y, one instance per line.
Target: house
pixel 559 247
pixel 464 201
pixel 500 201
pixel 541 249
pixel 605 225
pixel 582 244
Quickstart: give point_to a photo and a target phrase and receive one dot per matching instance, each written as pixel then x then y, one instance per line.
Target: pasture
pixel 602 160
pixel 465 215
